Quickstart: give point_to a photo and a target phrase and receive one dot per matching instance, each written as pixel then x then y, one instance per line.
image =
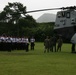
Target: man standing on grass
pixel 26 44
pixel 46 44
pixel 59 41
pixel 32 42
pixel 51 43
pixel 54 39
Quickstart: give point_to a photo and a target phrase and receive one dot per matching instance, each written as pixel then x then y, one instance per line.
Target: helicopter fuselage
pixel 65 24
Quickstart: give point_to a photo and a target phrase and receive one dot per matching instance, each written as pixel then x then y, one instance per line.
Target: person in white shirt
pixel 32 42
pixel 27 44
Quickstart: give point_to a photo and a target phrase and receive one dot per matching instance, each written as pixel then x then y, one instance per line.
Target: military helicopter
pixel 65 23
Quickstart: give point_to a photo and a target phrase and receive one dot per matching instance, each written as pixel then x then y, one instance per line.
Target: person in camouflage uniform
pixel 46 44
pixel 54 39
pixel 59 41
pixel 51 43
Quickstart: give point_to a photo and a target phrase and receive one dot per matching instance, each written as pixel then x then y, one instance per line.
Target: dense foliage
pixel 43 30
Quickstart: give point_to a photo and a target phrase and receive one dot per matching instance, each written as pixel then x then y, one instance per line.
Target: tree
pixel 27 25
pixel 18 21
pixel 28 21
pixel 13 12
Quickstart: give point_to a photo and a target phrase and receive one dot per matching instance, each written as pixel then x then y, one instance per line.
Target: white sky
pixel 40 4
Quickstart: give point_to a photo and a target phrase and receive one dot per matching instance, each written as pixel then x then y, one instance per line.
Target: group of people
pixel 23 43
pixel 16 43
pixel 50 44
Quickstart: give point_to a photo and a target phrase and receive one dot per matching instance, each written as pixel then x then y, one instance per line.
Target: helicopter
pixel 65 23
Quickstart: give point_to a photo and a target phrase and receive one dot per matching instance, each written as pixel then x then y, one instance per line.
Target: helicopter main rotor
pixel 63 8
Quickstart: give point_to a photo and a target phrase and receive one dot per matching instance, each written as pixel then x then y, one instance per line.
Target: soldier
pixel 54 42
pixel 46 44
pixel 59 41
pixel 51 43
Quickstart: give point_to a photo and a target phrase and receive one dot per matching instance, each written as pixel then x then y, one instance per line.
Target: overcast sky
pixel 40 4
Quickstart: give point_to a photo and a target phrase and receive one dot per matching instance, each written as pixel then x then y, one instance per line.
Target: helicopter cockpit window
pixel 68 15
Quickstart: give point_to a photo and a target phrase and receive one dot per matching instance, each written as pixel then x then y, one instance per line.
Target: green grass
pixel 37 62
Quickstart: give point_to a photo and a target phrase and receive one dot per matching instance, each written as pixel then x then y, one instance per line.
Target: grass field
pixel 37 62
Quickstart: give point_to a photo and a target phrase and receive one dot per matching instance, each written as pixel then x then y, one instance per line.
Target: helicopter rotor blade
pixel 63 8
pixel 42 10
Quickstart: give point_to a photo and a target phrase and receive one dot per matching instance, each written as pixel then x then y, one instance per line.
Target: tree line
pixel 14 21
